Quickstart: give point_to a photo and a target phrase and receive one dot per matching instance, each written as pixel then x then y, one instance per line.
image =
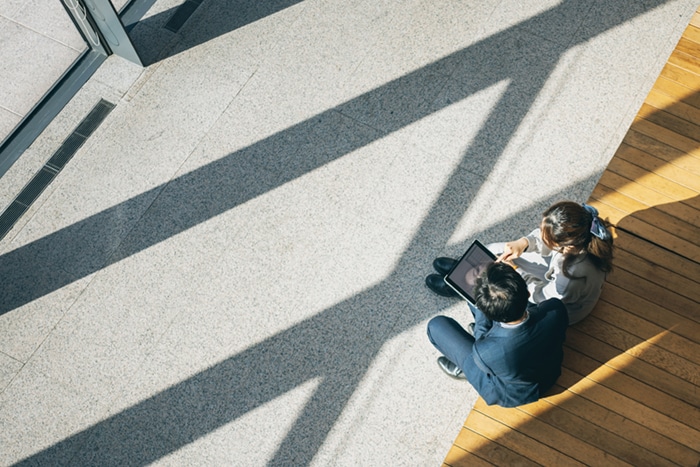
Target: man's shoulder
pixel 551 304
pixel 552 309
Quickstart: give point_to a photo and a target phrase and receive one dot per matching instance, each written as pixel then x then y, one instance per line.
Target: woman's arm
pixel 530 243
pixel 513 250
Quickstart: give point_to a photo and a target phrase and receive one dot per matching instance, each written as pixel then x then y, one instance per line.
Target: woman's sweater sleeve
pixel 535 243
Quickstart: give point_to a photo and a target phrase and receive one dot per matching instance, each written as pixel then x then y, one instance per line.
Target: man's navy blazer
pixel 514 366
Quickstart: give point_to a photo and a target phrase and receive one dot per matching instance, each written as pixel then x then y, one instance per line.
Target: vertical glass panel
pixel 38 43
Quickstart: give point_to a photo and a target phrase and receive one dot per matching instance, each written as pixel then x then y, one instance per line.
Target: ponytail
pixel 600 246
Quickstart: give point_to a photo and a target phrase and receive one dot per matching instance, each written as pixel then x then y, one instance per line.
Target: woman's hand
pixel 513 250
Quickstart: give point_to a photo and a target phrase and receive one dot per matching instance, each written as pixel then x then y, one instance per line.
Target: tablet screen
pixel 462 278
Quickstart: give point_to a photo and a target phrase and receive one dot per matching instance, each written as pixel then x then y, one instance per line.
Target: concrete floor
pixel 37 44
pixel 230 271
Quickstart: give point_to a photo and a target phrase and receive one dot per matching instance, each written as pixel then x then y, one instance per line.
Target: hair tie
pixel 597 227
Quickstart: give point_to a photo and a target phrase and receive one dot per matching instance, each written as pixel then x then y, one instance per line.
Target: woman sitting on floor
pixel 567 257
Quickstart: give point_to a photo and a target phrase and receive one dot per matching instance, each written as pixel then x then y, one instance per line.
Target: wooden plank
pixel 639 197
pixel 643 349
pixel 669 121
pixel 654 182
pixel 687 46
pixel 666 136
pixel 664 217
pixel 639 191
pixel 615 206
pixel 511 441
pixel 668 231
pixel 604 437
pixel 655 294
pixel 658 275
pixel 631 409
pixel 684 228
pixel 664 222
pixel 685 61
pixel 631 366
pixel 622 221
pixel 671 232
pixel 458 457
pixel 486 451
pixel 692 33
pixel 630 430
pixel 663 151
pixel 664 317
pixel 660 167
pixel 643 229
pixel 548 435
pixel 662 102
pixel 695 20
pixel 663 238
pixel 663 258
pixel 644 329
pixel 681 76
pixel 633 388
pixel 677 91
pixel 634 432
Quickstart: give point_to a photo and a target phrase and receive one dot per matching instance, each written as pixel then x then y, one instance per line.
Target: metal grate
pixel 69 147
pixel 93 119
pixel 36 186
pixel 8 218
pixel 48 172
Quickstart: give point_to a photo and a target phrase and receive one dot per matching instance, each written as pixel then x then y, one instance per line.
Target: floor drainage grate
pixel 66 151
pixel 60 158
pixel 182 14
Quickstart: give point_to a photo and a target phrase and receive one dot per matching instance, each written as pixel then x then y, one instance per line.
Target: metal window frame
pixel 65 88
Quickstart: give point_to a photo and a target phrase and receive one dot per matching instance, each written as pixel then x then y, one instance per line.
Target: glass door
pixel 49 49
pixel 37 46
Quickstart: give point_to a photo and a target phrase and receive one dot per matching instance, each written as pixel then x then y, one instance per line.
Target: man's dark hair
pixel 501 293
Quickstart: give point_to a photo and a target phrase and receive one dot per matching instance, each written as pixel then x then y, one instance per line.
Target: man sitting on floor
pixel 513 353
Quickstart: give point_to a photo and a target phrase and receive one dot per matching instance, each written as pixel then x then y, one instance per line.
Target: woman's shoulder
pixel 585 265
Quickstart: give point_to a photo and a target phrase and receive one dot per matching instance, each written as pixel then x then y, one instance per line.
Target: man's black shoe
pixel 444 265
pixel 450 368
pixel 436 283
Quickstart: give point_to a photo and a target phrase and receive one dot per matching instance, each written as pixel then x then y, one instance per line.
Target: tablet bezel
pixel 476 245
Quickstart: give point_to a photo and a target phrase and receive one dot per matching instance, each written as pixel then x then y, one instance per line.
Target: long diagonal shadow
pixel 58 259
pixel 335 346
pixel 209 24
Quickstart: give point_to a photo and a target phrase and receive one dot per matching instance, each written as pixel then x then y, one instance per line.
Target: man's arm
pixel 481 323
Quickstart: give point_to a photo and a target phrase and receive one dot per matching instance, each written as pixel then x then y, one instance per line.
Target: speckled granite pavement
pixel 230 271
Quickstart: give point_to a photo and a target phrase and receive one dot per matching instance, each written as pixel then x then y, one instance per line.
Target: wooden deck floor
pixel 629 393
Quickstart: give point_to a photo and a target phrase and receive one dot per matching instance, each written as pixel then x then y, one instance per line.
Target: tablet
pixel 462 277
